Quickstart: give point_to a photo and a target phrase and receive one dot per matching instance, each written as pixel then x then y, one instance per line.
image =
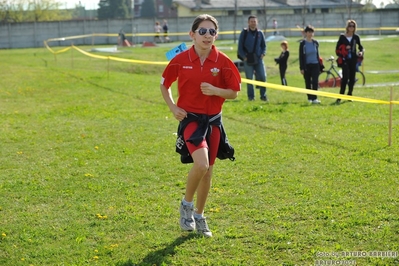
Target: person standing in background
pixel 346 50
pixel 252 49
pixel 165 29
pixel 122 41
pixel 275 26
pixel 206 78
pixel 157 29
pixel 282 61
pixel 309 64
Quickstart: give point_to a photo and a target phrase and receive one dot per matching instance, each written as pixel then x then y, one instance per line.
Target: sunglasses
pixel 203 31
pixel 351 26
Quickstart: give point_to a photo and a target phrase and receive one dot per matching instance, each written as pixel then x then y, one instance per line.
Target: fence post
pixel 390 118
pixel 9 35
pixel 108 68
pixel 72 55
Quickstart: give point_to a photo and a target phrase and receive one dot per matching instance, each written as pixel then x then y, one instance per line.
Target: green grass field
pixel 89 175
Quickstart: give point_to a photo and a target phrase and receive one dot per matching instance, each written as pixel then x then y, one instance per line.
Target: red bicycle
pixel 331 77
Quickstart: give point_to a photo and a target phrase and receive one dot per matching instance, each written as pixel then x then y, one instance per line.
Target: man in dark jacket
pixel 251 50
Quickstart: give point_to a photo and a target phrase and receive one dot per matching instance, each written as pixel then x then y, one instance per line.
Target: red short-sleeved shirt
pixel 217 70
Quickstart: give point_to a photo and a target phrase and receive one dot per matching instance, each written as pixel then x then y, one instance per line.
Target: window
pixel 160 8
pixel 230 13
pixel 246 12
pixel 324 10
pixel 297 11
pixel 260 12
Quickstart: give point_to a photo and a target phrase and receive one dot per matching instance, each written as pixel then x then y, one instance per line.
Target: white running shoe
pixel 202 227
pixel 316 101
pixel 187 217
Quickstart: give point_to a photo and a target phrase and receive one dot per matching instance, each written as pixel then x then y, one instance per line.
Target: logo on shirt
pixel 187 67
pixel 215 71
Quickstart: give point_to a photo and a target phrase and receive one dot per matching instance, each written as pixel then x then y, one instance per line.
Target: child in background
pixel 165 28
pixel 282 61
pixel 157 29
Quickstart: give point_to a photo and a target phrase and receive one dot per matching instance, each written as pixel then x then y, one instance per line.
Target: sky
pixel 93 4
pixel 88 4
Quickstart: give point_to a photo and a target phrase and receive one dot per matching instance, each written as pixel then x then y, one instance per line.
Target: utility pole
pixel 235 19
pixel 265 16
pixel 132 16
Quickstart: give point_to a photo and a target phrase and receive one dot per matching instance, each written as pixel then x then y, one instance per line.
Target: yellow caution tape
pixel 253 82
pixel 120 59
pixel 319 93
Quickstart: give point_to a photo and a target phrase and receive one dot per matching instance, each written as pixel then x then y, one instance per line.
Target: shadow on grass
pixel 160 256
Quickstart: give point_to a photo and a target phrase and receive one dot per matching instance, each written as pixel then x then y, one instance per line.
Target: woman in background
pixel 346 50
pixel 309 63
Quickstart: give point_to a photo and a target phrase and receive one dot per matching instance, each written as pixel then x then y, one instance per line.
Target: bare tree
pixel 32 10
pixel 368 4
pixel 349 5
pixel 11 12
pixel 304 11
pixel 354 8
pixel 235 19
pixel 264 13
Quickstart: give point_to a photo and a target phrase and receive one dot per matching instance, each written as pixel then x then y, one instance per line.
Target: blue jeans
pixel 260 75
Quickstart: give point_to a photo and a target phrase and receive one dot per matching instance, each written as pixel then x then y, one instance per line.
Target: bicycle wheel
pixel 360 79
pixel 326 79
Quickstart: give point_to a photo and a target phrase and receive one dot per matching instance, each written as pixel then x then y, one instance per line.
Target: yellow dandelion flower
pixel 96 257
pixel 102 217
pixel 96 147
pixel 215 210
pixel 23 259
pixel 89 175
pixel 3 234
pixel 20 152
pixel 96 251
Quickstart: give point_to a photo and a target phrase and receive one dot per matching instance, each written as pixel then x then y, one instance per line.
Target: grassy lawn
pixel 89 175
